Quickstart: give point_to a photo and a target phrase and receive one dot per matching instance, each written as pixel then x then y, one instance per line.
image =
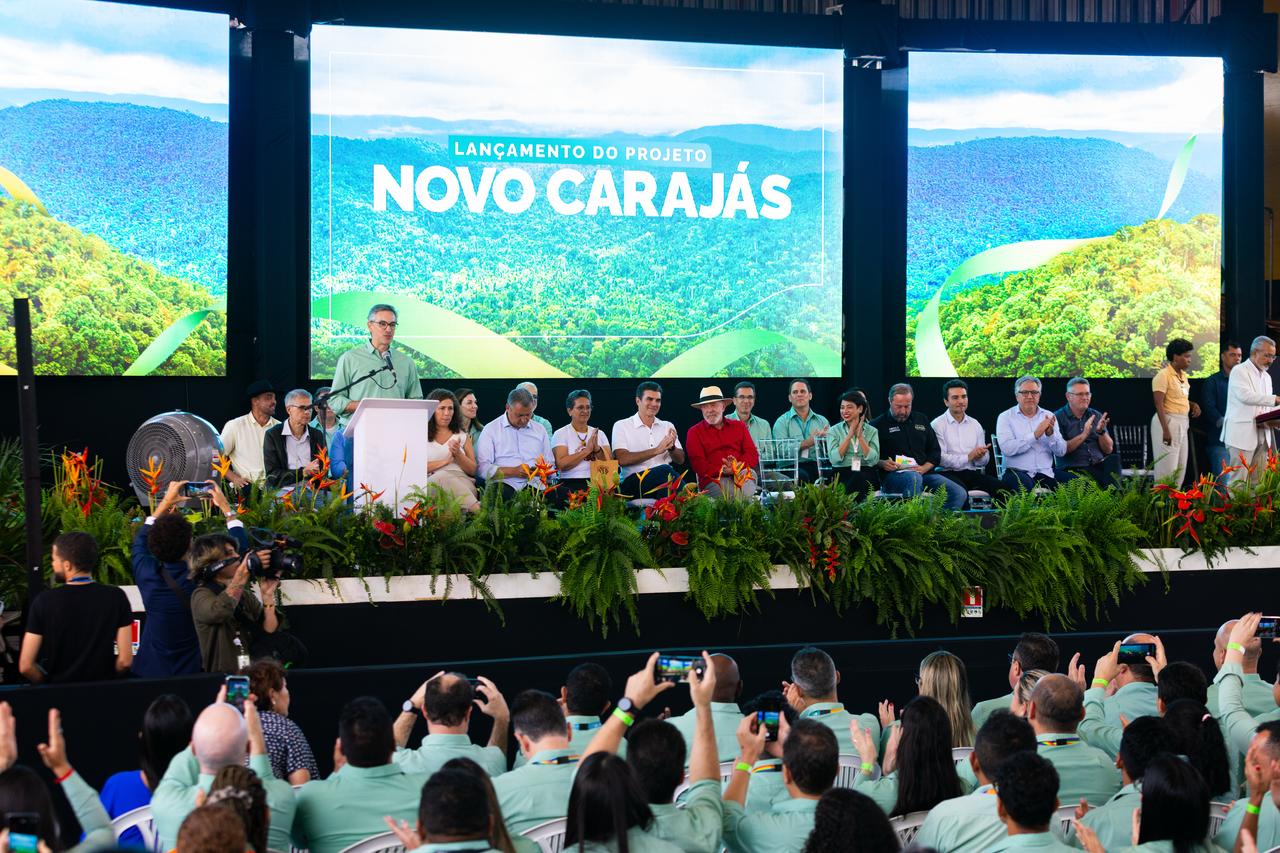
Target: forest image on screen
pixel 539 206
pixel 113 187
pixel 1063 213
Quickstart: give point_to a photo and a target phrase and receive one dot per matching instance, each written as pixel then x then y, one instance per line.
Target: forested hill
pixel 150 181
pixel 972 196
pixel 94 309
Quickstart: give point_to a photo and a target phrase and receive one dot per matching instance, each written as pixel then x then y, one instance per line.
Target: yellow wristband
pixel 867 767
pixel 1235 647
pixel 743 766
pixel 1252 809
pixel 1100 682
pixel 626 718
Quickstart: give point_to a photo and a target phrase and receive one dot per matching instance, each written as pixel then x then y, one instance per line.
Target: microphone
pixel 386 356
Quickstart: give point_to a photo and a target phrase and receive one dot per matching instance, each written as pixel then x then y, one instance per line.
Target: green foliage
pixel 517 535
pixel 727 559
pixel 598 560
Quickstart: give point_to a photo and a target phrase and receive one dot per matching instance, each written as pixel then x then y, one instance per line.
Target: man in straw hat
pixel 721 451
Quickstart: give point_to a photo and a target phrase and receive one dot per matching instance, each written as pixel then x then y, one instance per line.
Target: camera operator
pixel 226 612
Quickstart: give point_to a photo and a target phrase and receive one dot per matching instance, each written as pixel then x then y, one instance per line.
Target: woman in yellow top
pixel 1171 389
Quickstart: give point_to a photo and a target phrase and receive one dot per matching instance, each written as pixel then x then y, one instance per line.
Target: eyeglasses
pixel 1028 393
pixel 1079 393
pixel 384 325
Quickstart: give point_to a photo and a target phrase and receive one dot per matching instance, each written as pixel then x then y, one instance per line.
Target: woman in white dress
pixel 451 460
pixel 579 444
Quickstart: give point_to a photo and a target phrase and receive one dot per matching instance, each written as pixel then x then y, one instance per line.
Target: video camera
pixel 286 554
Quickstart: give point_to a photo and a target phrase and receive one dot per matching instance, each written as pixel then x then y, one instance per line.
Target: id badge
pixel 242 662
pixel 855 464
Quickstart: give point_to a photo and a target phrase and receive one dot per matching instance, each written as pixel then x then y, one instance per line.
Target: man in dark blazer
pixel 289 449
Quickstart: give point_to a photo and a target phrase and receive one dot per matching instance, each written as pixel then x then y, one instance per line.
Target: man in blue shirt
pixel 1090 450
pixel 1213 406
pixel 511 445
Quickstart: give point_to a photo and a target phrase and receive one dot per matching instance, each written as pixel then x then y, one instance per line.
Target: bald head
pixel 1057 705
pixel 219 738
pixel 1252 648
pixel 728 681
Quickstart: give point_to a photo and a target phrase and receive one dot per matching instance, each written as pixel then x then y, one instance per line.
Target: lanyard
pixel 585 727
pixel 560 759
pixel 79 580
pixel 1066 741
pixel 822 712
pixel 768 768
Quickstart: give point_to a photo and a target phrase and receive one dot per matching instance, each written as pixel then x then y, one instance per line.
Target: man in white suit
pixel 1249 393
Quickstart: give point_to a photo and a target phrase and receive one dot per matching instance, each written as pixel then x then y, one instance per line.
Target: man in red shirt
pixel 721 451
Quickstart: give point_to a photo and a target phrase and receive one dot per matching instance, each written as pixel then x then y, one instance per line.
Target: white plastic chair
pixel 549 836
pixel 140 819
pixel 850 767
pixel 726 773
pixel 1065 816
pixel 1217 816
pixel 383 842
pixel 907 826
pixel 960 755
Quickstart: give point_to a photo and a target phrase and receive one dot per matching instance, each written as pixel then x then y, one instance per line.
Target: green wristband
pixel 743 766
pixel 626 718
pixel 1235 647
pixel 1100 682
pixel 1252 809
pixel 867 767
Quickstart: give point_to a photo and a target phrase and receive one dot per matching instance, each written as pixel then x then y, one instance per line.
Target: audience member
pixel 536 792
pixel 801 423
pixel 644 444
pixel 846 821
pixel 349 806
pixel 1198 737
pixel 1259 810
pixel 499 838
pixel 334 441
pixel 1213 406
pixel 238 789
pixel 71 628
pixel 1090 450
pixel 1026 798
pixel 1112 822
pixel 970 823
pixel 166 731
pixel 1238 725
pixel 767 789
pixel 227 614
pixel 455 812
pixel 469 408
pixel 725 713
pixel 812 693
pixel 853 445
pixel 451 458
pixel 1029 438
pixel 909 451
pixel 211 829
pixel 962 443
pixel 1174 814
pixel 1021 702
pixel 810 761
pixel 1131 688
pixel 1257 696
pixel 220 738
pixel 169 645
pixel 607 810
pixel 716 446
pixel 1177 680
pixel 1033 651
pixel 287 747
pixel 290 449
pixel 1057 706
pixel 446 700
pixel 375 355
pixel 744 401
pixel 943 677
pixel 1249 393
pixel 577 444
pixel 1170 432
pixel 534 416
pixel 919 769
pixel 510 445
pixel 243 437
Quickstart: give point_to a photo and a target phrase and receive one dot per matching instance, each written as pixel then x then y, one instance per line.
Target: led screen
pixel 1063 213
pixel 113 187
pixel 538 206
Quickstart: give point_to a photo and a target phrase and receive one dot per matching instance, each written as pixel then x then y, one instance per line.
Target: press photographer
pixel 228 616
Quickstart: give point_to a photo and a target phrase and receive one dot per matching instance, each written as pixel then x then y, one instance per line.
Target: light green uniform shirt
pixel 436 750
pixel 758 427
pixel 538 791
pixel 1083 770
pixel 1113 821
pixel 725 719
pixel 481 845
pixel 1259 698
pixel 966 824
pixel 1268 825
pixel 347 807
pixel 1044 841
pixel 546 424
pixel 790 425
pixel 695 826
pixel 584 729
pixel 782 829
pixel 833 715
pixel 1094 728
pixel 1238 725
pixel 836 437
pixel 360 360
pixel 175 798
pixel 88 809
pixel 638 841
pixel 767 788
pixel 883 790
pixel 1167 847
pixel 984 709
pixel 1136 699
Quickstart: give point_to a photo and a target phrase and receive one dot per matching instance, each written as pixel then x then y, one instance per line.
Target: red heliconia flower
pixel 680 538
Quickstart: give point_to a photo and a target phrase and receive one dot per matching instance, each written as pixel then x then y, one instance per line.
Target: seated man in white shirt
pixel 646 447
pixel 963 443
pixel 242 437
pixel 511 445
pixel 1029 439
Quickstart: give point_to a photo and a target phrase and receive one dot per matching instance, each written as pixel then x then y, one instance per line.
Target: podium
pixel 390 448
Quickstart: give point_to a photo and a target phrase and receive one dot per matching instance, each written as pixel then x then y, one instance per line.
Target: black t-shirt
pixel 78 624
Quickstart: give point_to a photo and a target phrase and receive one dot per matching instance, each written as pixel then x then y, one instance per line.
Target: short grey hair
pixel 379 308
pixel 899 389
pixel 1258 343
pixel 814 672
pixel 519 397
pixel 1017 383
pixel 1076 380
pixel 297 394
pixel 528 386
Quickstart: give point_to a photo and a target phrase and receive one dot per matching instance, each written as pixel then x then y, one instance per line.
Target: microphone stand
pixel 320 404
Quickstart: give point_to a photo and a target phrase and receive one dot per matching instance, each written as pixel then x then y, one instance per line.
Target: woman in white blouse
pixel 579 444
pixel 451 460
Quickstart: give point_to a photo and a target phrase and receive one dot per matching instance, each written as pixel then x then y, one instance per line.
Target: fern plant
pixel 728 558
pixel 598 560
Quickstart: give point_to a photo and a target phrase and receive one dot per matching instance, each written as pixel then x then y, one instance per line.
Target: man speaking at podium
pixel 398 379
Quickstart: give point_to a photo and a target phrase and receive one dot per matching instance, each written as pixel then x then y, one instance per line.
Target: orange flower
pixel 343 494
pixel 287 502
pixel 413 515
pixel 151 474
pixel 221 464
pixel 369 494
pixel 541 471
pixel 577 499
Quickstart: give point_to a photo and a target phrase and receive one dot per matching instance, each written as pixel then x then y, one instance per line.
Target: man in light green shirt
pixel 1027 797
pixel 367 786
pixel 812 693
pixel 453 814
pixel 801 422
pixel 398 383
pixel 1033 651
pixel 725 713
pixel 971 824
pixel 586 697
pixel 810 762
pixel 218 739
pixel 1134 687
pixel 1055 711
pixel 1259 697
pixel 1143 740
pixel 446 700
pixel 744 401
pixel 538 791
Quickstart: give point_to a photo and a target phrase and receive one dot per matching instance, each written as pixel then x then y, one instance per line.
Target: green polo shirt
pixel 1136 699
pixel 584 729
pixel 1237 724
pixel 967 824
pixel 790 425
pixel 725 719
pixel 1259 698
pixel 436 750
pixel 782 829
pixel 758 427
pixel 175 798
pixel 695 826
pixel 883 790
pixel 984 709
pixel 358 361
pixel 1113 821
pixel 538 791
pixel 347 807
pixel 546 424
pixel 837 436
pixel 1268 825
pixel 1083 770
pixel 1167 847
pixel 638 841
pixel 479 845
pixel 767 788
pixel 833 715
pixel 1045 841
pixel 1094 728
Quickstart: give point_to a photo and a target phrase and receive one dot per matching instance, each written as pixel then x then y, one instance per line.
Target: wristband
pixel 1248 807
pixel 1235 647
pixel 65 776
pixel 1100 682
pixel 867 767
pixel 743 766
pixel 626 718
